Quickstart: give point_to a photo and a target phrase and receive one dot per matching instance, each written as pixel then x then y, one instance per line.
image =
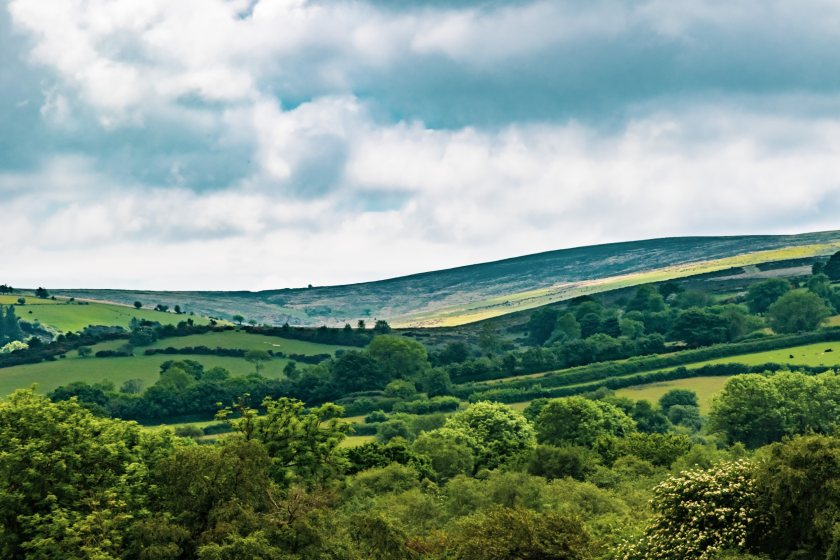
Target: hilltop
pixel 471 293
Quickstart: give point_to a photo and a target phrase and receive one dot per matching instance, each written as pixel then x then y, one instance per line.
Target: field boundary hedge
pixel 606 370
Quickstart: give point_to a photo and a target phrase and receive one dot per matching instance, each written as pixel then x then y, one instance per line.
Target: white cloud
pixel 341 185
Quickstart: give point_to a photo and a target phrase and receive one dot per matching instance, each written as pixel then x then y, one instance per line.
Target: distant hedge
pixel 606 370
pixel 537 390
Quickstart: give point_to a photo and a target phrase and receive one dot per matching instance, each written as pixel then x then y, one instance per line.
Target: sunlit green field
pixel 245 341
pixel 808 355
pixel 355 441
pixel 705 387
pixel 49 375
pixel 12 299
pixel 66 317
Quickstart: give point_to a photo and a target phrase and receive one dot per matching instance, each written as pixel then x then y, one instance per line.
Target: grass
pixel 66 317
pixel 245 341
pixel 355 441
pixel 30 300
pixel 833 321
pixel 808 355
pixel 49 375
pixel 705 387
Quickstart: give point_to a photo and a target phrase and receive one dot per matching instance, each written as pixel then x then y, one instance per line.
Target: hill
pixel 471 293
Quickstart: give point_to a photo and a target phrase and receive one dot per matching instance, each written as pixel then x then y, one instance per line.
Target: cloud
pixel 261 144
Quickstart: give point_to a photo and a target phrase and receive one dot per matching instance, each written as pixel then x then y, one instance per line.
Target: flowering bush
pixel 700 513
pixel 13 346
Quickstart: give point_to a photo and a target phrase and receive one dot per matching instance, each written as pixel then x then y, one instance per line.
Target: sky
pixel 258 144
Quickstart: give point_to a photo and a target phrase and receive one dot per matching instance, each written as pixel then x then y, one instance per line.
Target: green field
pixel 355 441
pixel 65 317
pixel 808 355
pixel 30 300
pixel 49 375
pixel 705 387
pixel 245 341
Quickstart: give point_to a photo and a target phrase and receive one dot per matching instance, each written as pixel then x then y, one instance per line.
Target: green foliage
pixel 541 325
pixel 560 462
pixel 504 533
pixel 258 358
pixel 762 295
pixel 580 421
pixel 797 312
pixel 70 483
pixel 757 410
pixel 450 452
pixel 797 484
pixel 498 432
pixel 699 514
pixel 660 450
pixel 399 357
pixel 684 397
pixel 647 299
pixel 13 346
pixel 300 442
pixel 374 455
pixel 832 267
pixel 9 326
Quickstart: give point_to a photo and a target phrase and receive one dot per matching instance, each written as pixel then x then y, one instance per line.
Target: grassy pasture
pixel 705 387
pixel 30 300
pixel 245 341
pixel 49 375
pixel 808 355
pixel 66 317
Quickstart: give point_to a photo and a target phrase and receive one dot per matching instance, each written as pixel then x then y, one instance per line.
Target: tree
pixel 762 295
pixel 355 371
pixel 238 319
pixel 684 397
pixel 647 299
pixel 560 462
pixel 832 267
pixel 541 325
pixel 381 327
pixel 177 310
pixel 700 327
pixel 42 293
pixel 798 492
pixel 506 533
pixel 748 410
pixel 71 482
pixel 498 432
pixel 162 308
pixel 454 353
pixel 84 351
pixel 579 421
pixel 450 452
pixel 258 358
pixel 9 325
pixel 398 356
pixel 489 340
pixel 567 328
pixel 797 312
pixel 138 305
pixel 698 513
pixel 132 386
pixel 301 443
